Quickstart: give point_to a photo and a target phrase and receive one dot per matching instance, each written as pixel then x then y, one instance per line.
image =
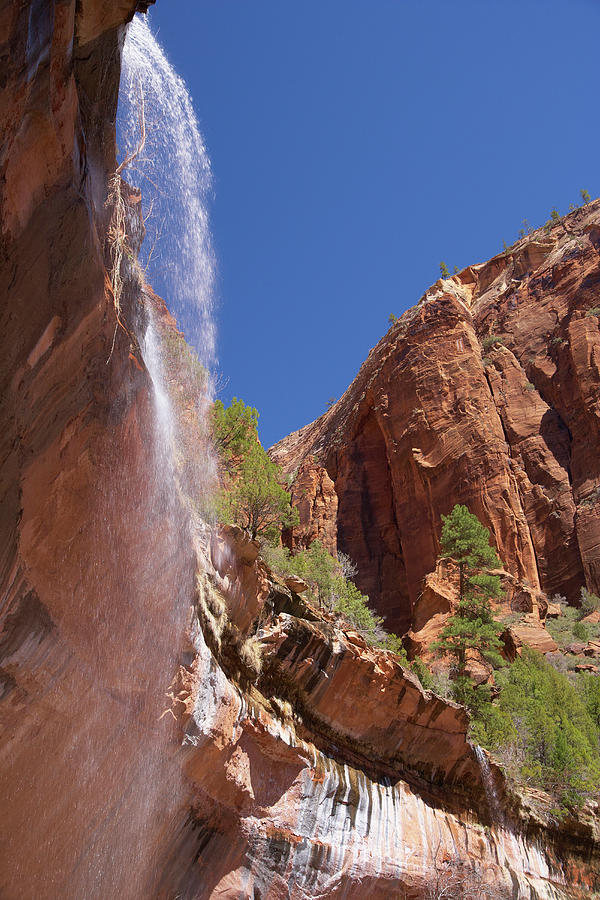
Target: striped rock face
pixel 175 722
pixel 484 393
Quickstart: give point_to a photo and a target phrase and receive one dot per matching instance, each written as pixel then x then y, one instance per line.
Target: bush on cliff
pixel 332 587
pixel 589 602
pixel 544 729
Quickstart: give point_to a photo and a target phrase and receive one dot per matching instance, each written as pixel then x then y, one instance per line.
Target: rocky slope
pixel 485 393
pixel 175 721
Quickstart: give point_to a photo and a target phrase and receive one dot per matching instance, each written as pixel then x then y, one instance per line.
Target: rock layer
pixel 144 752
pixel 485 393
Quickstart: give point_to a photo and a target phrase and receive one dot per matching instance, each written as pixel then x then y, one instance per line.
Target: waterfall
pixel 163 154
pixel 123 755
pixel 489 784
pixel 172 169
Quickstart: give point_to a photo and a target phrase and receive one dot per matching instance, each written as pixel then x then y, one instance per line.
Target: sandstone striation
pixel 343 776
pixel 485 393
pixel 176 721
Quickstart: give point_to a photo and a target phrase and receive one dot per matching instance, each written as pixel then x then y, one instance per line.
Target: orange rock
pixel 530 635
pixel 593 618
pixel 296 584
pixel 314 497
pixel 132 766
pixel 240 577
pixel 437 416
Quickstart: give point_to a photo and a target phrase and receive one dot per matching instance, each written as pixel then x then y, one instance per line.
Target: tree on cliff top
pixel 251 495
pixel 234 429
pixel 472 627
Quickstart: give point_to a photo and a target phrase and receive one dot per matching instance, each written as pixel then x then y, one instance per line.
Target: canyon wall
pixel 91 618
pixel 176 722
pixel 485 393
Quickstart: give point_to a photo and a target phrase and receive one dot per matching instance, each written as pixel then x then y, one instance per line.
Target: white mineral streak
pixel 347 827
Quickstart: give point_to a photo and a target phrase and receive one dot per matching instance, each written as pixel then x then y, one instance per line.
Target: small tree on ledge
pixel 472 627
pixel 252 494
pixel 255 499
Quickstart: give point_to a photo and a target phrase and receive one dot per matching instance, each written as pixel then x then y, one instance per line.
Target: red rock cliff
pixel 147 751
pixel 485 393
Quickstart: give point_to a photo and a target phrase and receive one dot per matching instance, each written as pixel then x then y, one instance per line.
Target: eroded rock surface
pixel 485 393
pixel 175 721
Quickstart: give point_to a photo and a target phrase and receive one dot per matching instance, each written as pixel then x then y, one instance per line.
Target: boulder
pixel 296 584
pixel 592 649
pixel 534 636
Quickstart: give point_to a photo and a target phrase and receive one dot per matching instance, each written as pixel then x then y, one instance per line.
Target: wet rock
pixel 134 767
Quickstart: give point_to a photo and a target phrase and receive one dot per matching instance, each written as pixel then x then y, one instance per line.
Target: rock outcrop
pixel 485 393
pixel 336 775
pixel 176 722
pixel 92 620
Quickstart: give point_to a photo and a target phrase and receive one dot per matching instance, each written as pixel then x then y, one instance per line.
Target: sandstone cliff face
pixel 87 609
pixel 485 393
pixel 335 775
pixel 146 751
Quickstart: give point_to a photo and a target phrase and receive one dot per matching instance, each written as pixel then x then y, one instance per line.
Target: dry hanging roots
pixel 117 229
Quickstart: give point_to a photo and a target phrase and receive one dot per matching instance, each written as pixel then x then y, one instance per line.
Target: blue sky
pixel 355 144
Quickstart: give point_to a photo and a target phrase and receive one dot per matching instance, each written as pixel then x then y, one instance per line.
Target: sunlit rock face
pixel 335 775
pixel 146 749
pixel 485 393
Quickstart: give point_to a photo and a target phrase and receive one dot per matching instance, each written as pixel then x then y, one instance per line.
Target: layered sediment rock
pixel 147 751
pixel 485 393
pixel 336 775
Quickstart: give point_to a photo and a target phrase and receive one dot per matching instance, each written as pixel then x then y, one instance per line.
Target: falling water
pixel 165 157
pixel 489 784
pixel 173 171
pixel 124 754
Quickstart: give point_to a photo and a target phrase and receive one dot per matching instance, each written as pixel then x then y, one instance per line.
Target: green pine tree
pixel 585 196
pixel 472 627
pixel 255 500
pixel 444 270
pixel 252 495
pixel 234 430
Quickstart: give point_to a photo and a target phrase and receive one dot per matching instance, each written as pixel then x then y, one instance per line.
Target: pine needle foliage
pixel 234 430
pixel 252 494
pixel 472 627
